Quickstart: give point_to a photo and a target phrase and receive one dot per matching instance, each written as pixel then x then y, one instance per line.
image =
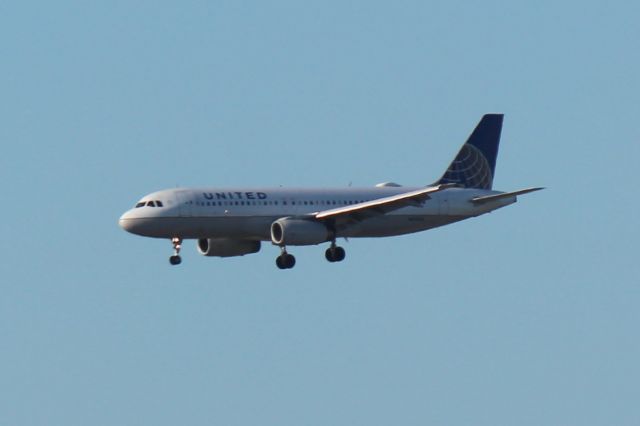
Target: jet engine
pixel 225 247
pixel 298 232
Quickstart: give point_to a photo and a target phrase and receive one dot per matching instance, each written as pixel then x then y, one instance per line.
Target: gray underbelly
pixel 259 227
pixel 253 228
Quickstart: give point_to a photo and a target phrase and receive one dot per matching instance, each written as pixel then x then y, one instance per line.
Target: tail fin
pixel 475 164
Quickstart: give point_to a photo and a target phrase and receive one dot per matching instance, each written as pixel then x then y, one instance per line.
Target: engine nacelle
pixel 298 232
pixel 224 247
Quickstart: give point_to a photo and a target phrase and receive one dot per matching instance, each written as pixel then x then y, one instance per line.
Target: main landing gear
pixel 177 244
pixel 285 260
pixel 335 253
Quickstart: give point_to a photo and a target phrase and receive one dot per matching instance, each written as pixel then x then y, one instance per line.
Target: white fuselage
pixel 231 222
pixel 247 213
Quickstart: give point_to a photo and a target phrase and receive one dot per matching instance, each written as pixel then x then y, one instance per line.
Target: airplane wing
pixel 344 216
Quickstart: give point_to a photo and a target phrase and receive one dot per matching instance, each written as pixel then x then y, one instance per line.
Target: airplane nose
pixel 139 223
pixel 125 222
pixel 131 222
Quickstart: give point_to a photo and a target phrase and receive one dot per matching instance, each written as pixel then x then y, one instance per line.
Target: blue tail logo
pixel 475 164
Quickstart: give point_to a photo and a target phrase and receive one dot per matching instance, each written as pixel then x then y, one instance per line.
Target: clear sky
pixel 526 316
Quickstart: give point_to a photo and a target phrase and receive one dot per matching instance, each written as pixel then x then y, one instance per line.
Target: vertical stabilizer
pixel 475 164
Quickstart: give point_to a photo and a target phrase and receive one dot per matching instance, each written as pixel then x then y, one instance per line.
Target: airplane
pixel 230 222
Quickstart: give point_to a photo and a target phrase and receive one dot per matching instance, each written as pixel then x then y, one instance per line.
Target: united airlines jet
pixel 234 221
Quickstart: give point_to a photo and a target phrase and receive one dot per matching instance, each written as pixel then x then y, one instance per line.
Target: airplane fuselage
pixel 234 221
pixel 247 214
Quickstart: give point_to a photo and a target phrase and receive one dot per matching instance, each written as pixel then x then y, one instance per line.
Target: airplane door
pixel 184 206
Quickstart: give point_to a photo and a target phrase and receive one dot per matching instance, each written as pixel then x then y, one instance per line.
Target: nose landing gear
pixel 177 244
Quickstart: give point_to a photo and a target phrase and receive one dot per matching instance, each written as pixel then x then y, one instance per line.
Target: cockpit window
pixel 154 203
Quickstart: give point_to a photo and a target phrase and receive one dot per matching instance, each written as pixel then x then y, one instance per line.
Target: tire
pixel 289 261
pixel 330 255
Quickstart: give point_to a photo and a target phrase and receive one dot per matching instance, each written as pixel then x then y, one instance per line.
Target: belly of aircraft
pixel 259 227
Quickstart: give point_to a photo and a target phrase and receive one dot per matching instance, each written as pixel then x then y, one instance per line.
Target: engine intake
pixel 298 232
pixel 224 247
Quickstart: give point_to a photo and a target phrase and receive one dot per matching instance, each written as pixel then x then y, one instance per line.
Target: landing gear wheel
pixel 335 254
pixel 285 261
pixel 329 255
pixel 175 259
pixel 289 261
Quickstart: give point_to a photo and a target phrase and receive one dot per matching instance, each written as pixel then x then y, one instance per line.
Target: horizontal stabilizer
pixel 489 198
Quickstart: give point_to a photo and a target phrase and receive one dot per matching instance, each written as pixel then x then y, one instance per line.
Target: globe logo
pixel 470 168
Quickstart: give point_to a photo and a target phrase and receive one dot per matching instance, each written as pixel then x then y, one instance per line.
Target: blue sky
pixel 525 316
